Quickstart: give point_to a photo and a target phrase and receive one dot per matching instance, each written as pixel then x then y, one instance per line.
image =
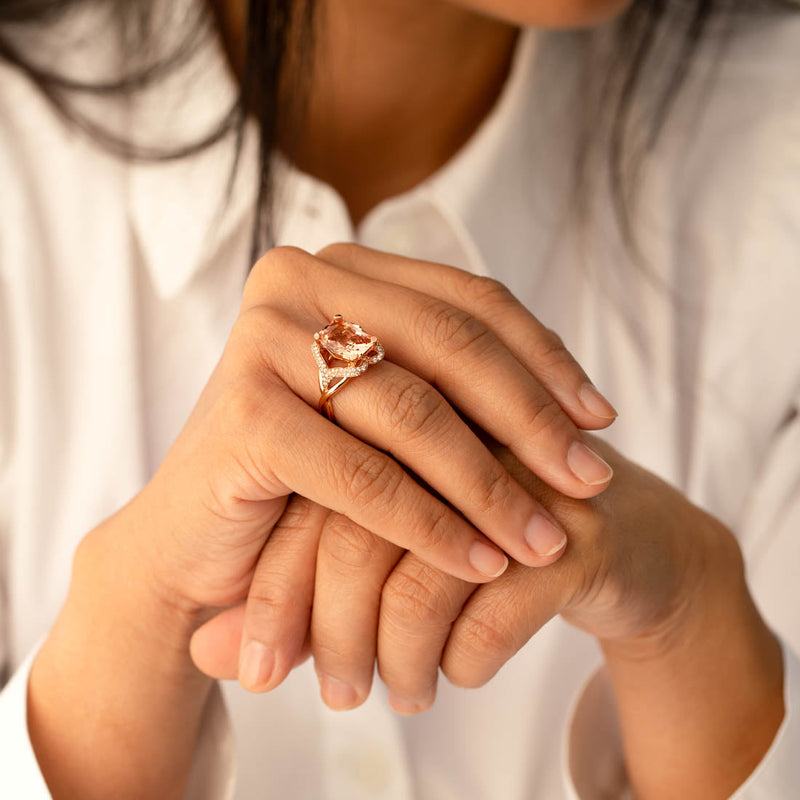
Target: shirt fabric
pixel 119 284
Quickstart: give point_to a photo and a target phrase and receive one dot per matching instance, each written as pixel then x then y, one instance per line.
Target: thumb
pixel 215 645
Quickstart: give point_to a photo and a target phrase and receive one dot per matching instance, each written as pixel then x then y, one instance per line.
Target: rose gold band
pixel 325 399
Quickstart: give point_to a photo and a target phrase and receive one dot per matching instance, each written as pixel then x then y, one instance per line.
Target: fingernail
pixel 595 403
pixel 587 466
pixel 256 666
pixel 543 536
pixel 404 705
pixel 337 694
pixel 487 560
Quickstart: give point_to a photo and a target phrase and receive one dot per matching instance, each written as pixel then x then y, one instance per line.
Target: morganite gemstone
pixel 345 340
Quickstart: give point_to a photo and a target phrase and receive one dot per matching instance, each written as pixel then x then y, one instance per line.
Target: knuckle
pixel 453 329
pixel 495 491
pixel 297 515
pixel 258 332
pixel 242 420
pixel 550 350
pixel 410 599
pixel 594 576
pixel 338 251
pixel 277 264
pixel 332 653
pixel 544 418
pixel 433 534
pixel 268 599
pixel 412 409
pixel 347 544
pixel 485 635
pixel 485 291
pixel 483 639
pixel 369 477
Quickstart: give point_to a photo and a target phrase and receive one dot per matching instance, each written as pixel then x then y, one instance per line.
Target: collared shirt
pixel 119 284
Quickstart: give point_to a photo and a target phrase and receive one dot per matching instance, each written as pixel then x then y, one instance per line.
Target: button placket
pixel 363 753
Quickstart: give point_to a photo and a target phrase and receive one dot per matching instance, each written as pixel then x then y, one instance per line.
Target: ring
pixel 342 351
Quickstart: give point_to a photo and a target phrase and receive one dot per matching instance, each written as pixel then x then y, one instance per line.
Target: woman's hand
pixel 635 560
pixel 657 580
pixel 117 657
pixel 254 436
pixel 696 673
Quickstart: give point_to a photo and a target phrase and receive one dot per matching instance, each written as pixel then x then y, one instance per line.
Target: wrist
pixel 700 697
pixel 712 591
pixel 116 659
pixel 116 569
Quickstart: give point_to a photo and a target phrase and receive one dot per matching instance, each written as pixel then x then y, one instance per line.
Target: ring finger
pixel 418 607
pixel 352 565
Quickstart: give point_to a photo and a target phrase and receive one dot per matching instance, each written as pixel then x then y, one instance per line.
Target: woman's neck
pixel 397 87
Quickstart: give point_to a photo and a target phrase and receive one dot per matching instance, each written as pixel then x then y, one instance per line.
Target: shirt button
pixel 368 769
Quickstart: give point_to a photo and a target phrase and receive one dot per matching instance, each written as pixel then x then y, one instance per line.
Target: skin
pixel 391 97
pixel 657 580
pixel 114 699
pixel 190 541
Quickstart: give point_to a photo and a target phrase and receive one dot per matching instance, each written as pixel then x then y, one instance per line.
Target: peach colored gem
pixel 345 340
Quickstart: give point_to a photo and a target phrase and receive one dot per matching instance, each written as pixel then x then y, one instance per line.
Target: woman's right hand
pixel 255 437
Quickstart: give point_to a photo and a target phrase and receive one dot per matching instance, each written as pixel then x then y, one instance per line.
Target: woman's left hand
pixel 637 560
pixel 696 673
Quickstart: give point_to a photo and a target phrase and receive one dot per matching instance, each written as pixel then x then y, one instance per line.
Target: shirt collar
pixel 483 187
pixel 490 192
pixel 481 195
pixel 177 208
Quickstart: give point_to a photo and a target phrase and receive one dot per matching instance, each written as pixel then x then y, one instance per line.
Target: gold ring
pixel 342 351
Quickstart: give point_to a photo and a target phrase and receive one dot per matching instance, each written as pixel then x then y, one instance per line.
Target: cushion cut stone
pixel 345 340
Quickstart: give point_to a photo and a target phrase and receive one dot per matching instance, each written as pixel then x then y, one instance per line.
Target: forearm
pixel 114 702
pixel 701 701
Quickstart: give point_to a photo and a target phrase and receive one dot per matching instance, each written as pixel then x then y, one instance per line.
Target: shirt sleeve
pixel 213 771
pixel 593 766
pixel 213 768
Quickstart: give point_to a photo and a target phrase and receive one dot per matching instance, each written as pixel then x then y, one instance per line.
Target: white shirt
pixel 117 294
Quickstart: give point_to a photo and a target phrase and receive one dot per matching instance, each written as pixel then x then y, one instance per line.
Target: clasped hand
pixel 389 545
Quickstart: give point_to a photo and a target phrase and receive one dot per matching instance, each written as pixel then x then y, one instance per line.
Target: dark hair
pixel 653 37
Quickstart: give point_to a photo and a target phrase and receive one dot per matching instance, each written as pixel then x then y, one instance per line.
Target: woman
pixel 442 135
